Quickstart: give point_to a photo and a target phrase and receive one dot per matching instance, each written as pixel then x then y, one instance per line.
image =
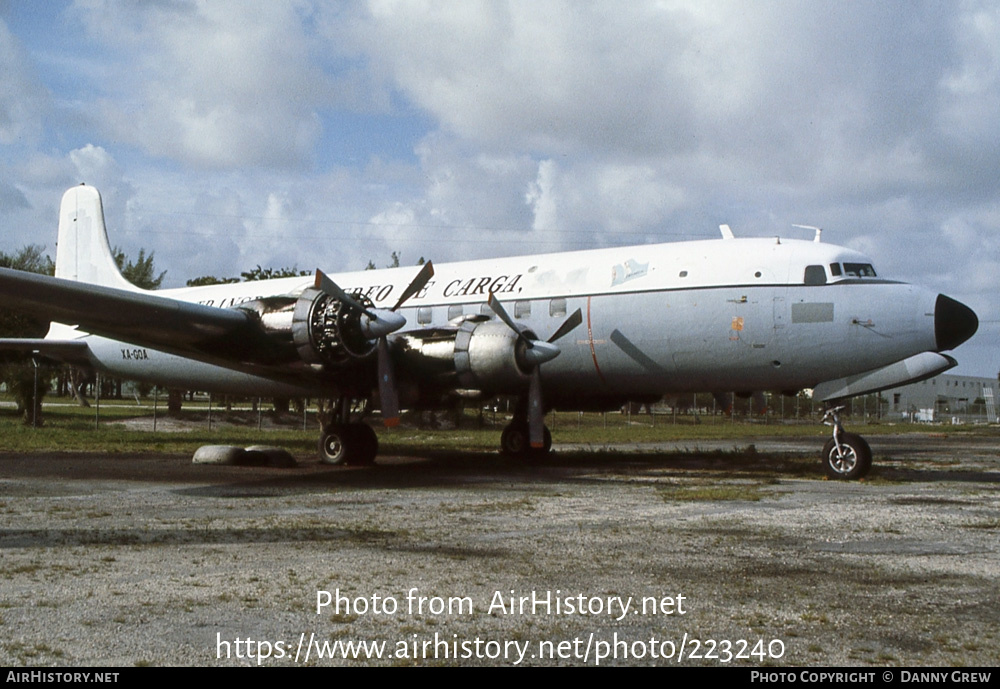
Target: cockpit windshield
pixel 859 270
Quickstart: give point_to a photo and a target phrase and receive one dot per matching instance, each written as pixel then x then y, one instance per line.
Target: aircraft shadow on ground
pixel 140 536
pixel 471 470
pixel 462 470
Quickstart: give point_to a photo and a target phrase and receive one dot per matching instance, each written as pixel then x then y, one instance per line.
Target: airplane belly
pixel 130 362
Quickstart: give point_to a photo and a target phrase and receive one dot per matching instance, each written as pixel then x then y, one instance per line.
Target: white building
pixel 947 399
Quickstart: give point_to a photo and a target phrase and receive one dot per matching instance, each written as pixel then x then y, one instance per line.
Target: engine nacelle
pixel 323 330
pixel 478 356
pixel 327 331
pixel 490 356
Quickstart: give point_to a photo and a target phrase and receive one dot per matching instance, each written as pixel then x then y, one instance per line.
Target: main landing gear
pixel 514 441
pixel 342 441
pixel 846 456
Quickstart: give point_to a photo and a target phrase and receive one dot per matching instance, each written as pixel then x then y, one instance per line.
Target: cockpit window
pixel 859 270
pixel 835 270
pixel 815 275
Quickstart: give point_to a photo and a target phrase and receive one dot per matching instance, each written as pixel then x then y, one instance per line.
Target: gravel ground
pixel 739 557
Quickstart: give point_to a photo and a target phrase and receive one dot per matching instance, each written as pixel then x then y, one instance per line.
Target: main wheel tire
pixel 348 443
pixel 334 444
pixel 515 441
pixel 365 445
pixel 855 461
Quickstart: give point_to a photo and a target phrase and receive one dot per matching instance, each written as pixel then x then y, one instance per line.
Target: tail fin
pixel 82 250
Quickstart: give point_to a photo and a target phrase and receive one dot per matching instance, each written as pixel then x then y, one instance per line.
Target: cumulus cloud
pixel 542 125
pixel 632 116
pixel 600 204
pixel 11 197
pixel 22 101
pixel 655 79
pixel 210 84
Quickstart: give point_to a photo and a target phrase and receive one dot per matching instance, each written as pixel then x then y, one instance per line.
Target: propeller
pixel 378 324
pixel 536 353
pixel 374 322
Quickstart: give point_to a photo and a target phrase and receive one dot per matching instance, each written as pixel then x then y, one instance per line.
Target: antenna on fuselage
pixel 726 232
pixel 819 230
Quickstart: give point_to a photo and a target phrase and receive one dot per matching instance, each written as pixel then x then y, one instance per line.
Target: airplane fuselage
pixel 728 314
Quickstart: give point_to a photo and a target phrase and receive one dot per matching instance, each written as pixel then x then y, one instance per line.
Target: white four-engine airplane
pixel 584 330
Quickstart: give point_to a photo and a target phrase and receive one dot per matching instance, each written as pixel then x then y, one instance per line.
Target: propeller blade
pixel 388 396
pixel 375 322
pixel 568 325
pixel 419 282
pixel 536 412
pixel 500 311
pixel 327 285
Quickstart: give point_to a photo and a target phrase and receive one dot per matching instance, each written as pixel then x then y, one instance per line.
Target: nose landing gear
pixel 846 456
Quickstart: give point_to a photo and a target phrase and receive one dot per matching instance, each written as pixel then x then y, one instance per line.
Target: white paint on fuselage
pixel 681 265
pixel 690 316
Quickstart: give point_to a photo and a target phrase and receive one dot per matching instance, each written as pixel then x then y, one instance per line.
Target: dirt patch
pixel 152 560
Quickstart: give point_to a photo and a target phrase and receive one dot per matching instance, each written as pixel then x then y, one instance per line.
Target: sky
pixel 226 135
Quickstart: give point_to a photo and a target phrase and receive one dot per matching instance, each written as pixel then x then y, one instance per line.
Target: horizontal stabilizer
pixel 912 370
pixel 74 352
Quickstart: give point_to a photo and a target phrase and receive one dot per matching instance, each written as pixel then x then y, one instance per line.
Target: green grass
pixel 726 491
pixel 70 428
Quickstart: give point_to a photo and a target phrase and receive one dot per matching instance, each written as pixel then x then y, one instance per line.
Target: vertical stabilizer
pixel 82 250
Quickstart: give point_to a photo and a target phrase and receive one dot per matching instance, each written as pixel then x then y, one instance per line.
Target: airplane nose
pixel 954 323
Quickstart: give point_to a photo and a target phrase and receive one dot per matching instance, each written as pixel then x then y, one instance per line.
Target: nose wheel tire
pixel 854 460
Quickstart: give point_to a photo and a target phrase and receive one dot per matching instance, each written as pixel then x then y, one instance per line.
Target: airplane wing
pixel 205 332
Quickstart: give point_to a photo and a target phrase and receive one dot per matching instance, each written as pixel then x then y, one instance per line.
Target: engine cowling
pixel 323 330
pixel 327 331
pixel 480 355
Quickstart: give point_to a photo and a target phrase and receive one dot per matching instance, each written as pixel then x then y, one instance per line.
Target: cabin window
pixel 815 275
pixel 454 311
pixel 835 270
pixel 522 309
pixel 557 307
pixel 683 273
pixel 859 270
pixel 424 315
